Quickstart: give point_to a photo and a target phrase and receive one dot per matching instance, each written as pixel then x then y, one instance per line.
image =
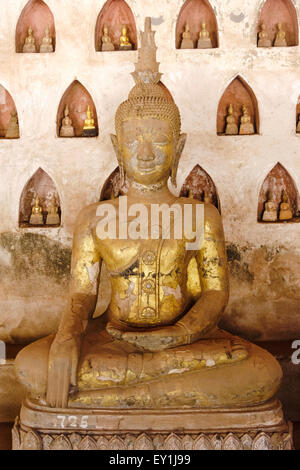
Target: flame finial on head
pixel 146 68
pixel 147 99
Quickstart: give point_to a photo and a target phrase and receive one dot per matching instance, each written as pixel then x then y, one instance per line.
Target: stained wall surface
pixel 264 259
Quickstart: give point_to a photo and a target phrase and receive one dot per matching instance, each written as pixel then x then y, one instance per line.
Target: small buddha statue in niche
pixel 207 197
pixel 36 217
pixel 246 126
pixel 66 130
pixel 149 352
pixel 13 126
pixel 280 40
pixel 53 215
pixel 106 42
pixel 89 129
pixel 29 45
pixel 125 44
pixel 187 42
pixel 204 41
pixel 270 210
pixel 298 125
pixel 263 37
pixel 47 42
pixel 231 126
pixel 285 211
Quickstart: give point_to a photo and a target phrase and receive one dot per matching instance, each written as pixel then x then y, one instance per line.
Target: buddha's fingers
pixel 59 383
pixel 74 367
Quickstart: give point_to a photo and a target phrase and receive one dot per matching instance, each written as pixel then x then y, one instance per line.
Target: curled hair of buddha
pixel 147 99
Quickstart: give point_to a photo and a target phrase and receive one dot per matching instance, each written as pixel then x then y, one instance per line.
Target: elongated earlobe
pixel 179 148
pixel 115 143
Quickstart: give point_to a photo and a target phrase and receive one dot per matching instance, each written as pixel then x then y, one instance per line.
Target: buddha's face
pixel 147 148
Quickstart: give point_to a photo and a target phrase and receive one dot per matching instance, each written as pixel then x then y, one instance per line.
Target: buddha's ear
pixel 115 142
pixel 178 151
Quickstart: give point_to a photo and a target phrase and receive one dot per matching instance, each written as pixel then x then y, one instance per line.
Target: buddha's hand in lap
pixel 155 339
pixel 62 369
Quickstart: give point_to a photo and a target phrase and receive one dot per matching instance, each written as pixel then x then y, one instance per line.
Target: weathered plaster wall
pixel 264 260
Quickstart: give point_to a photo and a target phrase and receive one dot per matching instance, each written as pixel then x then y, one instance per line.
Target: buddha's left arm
pixel 213 274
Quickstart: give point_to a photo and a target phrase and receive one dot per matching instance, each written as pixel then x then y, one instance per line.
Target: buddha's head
pixel 105 30
pixel 187 28
pixel 124 30
pixel 148 142
pixel 30 31
pixel 230 109
pixel 279 26
pixel 203 25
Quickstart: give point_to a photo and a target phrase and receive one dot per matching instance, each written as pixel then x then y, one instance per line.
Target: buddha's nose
pixel 145 151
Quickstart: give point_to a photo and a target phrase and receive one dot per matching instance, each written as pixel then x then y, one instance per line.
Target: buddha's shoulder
pixel 210 211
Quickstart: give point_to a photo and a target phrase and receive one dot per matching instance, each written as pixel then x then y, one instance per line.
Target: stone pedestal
pixel 52 219
pixel 254 428
pixel 126 48
pixel 36 219
pixel 187 44
pixel 29 48
pixel 89 132
pixel 107 46
pixel 46 48
pixel 204 43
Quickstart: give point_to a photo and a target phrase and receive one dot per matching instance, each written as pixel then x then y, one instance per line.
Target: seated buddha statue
pixel 280 40
pixel 66 130
pixel 204 41
pixel 263 37
pixel 36 217
pixel 125 44
pixel 231 126
pixel 13 131
pixel 285 211
pixel 246 126
pixel 106 42
pixel 270 210
pixel 89 129
pixel 29 45
pixel 157 347
pixel 47 42
pixel 53 215
pixel 187 42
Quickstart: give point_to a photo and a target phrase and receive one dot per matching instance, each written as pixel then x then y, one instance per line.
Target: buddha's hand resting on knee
pixel 62 369
pixel 155 339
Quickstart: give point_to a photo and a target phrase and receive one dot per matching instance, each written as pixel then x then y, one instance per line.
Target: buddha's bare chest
pixel 148 279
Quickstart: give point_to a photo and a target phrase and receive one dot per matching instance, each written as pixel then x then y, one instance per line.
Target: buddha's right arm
pixel 85 270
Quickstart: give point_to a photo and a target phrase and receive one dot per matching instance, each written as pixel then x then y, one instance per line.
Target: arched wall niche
pixel 194 12
pixel 40 184
pixel 38 15
pixel 78 99
pixel 112 187
pixel 277 180
pixel 198 181
pixel 280 11
pixel 238 93
pixel 7 107
pixel 114 14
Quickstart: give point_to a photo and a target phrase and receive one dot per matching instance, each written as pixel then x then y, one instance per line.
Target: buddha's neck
pixel 159 191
